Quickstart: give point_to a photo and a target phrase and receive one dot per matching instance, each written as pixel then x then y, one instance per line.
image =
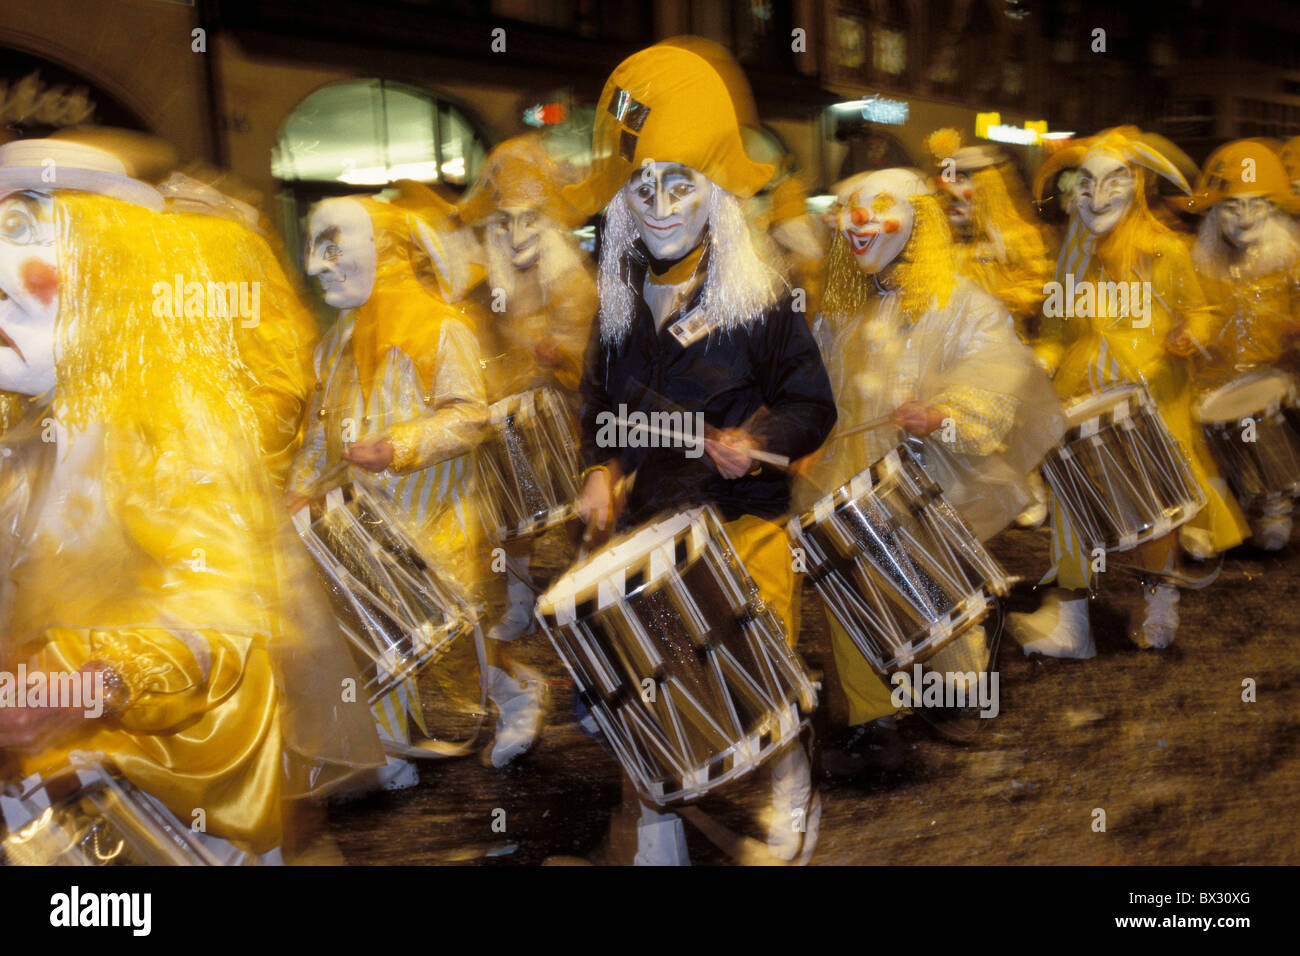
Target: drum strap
pixel 1173 577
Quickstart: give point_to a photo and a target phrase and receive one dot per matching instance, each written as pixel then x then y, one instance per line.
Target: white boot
pixel 518 617
pixel 1160 623
pixel 660 839
pixel 1271 531
pixel 793 817
pixel 1197 543
pixel 1060 628
pixel 519 703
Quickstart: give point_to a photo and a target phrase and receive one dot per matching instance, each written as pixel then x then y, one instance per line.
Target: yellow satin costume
pixel 141 531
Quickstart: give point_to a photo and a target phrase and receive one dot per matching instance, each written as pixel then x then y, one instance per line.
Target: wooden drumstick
pixel 864 427
pixel 780 461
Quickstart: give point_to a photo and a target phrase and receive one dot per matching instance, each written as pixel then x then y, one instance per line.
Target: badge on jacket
pixel 691 327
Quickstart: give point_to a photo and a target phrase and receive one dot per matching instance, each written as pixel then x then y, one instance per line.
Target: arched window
pixel 359 136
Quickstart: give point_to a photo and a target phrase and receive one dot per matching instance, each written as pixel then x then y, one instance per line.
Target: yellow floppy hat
pixel 1245 167
pixel 666 105
pixel 520 172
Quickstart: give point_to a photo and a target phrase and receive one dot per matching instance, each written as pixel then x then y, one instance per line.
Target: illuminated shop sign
pixel 877 109
pixel 990 126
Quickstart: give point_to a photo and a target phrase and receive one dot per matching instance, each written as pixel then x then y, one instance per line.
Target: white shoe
pixel 793 818
pixel 1271 533
pixel 1060 628
pixel 518 617
pixel 660 839
pixel 519 704
pixel 1160 623
pixel 398 774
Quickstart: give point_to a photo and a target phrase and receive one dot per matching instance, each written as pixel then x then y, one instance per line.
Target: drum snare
pixel 1252 428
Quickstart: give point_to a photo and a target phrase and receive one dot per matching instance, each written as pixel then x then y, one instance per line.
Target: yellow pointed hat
pixel 1131 144
pixel 666 104
pixel 1246 167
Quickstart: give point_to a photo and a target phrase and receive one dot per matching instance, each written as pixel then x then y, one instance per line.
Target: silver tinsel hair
pixel 1276 250
pixel 740 285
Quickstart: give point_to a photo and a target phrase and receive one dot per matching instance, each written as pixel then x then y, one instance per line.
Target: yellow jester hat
pixel 666 104
pixel 1246 167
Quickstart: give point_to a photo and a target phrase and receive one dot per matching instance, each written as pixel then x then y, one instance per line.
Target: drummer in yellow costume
pixel 1113 237
pixel 543 299
pixel 910 343
pixel 692 318
pixel 399 392
pixel 1248 260
pixel 144 545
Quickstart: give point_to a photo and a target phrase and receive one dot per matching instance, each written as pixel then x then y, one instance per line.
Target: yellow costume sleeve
pixel 982 419
pixel 457 410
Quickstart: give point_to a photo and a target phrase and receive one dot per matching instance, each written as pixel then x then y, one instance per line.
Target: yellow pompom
pixel 943 143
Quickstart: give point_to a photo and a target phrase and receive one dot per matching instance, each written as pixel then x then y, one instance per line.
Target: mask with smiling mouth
pixel 1104 192
pixel 29 293
pixel 517 231
pixel 670 207
pixel 342 254
pixel 876 217
pixel 1244 219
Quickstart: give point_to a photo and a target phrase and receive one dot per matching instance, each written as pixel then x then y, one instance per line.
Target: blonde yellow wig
pixel 924 275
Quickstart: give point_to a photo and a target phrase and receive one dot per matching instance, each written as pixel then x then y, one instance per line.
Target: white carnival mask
pixel 1243 219
pixel 670 206
pixel 876 217
pixel 1104 192
pixel 341 253
pixel 517 230
pixel 29 293
pixel 958 195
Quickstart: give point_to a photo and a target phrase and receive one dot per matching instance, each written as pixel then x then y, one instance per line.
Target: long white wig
pixel 740 285
pixel 1277 249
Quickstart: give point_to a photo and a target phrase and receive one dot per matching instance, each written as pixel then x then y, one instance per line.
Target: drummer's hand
pixel 1180 343
pixel 372 454
pixel 32 730
pixel 729 451
pixel 917 418
pixel 596 503
pixel 295 502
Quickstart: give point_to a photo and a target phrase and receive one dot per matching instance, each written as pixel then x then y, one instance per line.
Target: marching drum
pixel 685 670
pixel 88 814
pixel 528 464
pixel 895 563
pixel 1252 427
pixel 394 606
pixel 1118 473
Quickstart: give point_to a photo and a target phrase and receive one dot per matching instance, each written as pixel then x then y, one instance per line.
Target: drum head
pixel 625 566
pixel 1091 407
pixel 1246 397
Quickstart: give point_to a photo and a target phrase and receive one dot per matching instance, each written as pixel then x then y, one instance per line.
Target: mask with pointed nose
pixel 29 293
pixel 1242 219
pixel 670 206
pixel 341 254
pixel 518 230
pixel 1104 192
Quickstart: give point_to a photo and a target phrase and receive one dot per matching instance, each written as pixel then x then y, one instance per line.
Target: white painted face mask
pixel 29 293
pixel 670 206
pixel 958 196
pixel 341 254
pixel 1243 219
pixel 1104 192
pixel 517 230
pixel 876 217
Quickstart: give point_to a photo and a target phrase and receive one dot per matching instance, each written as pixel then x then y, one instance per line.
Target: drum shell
pixel 689 676
pixel 527 464
pixel 1258 453
pixel 899 569
pixel 398 612
pixel 1121 476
